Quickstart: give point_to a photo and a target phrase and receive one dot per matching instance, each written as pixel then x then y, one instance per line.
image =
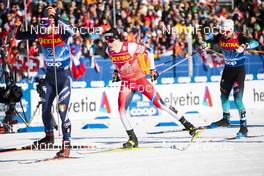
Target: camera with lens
pixel 11 94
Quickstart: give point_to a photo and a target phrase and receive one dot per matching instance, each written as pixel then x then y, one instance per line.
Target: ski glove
pixel 154 74
pixel 116 77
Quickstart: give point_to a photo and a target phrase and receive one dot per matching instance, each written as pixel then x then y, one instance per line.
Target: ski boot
pixel 44 143
pixel 132 141
pixel 224 122
pixel 189 127
pixel 242 133
pixel 65 150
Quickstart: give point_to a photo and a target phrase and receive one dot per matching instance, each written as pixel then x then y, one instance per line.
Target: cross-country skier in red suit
pixel 124 56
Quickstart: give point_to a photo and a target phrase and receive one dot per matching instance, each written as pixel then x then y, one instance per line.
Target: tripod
pixel 10 95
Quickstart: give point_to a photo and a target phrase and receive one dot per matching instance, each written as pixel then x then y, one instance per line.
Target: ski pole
pixel 184 59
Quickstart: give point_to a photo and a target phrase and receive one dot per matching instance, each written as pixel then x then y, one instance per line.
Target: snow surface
pixel 210 155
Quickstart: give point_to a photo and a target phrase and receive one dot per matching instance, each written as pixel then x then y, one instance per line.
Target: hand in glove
pixel 241 48
pixel 205 45
pixel 116 77
pixel 154 74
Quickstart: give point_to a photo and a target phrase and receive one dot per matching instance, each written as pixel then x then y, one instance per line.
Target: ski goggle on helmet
pixel 227 27
pixel 110 35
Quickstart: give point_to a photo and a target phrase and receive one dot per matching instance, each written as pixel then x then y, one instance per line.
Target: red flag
pixel 33 64
pixel 217 60
pixel 22 64
pixel 78 70
pixel 212 60
pixel 204 57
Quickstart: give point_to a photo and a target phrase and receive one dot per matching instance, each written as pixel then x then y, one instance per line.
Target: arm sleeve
pixel 243 39
pixel 214 39
pixel 66 27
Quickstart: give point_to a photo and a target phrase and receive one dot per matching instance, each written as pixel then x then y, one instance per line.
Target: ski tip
pixel 198 133
pixel 154 132
pixel 202 129
pixel 127 149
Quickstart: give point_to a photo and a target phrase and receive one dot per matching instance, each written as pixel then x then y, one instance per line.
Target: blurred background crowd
pixel 142 21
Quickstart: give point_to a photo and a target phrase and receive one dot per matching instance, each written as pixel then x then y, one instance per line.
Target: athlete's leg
pixel 239 89
pixel 238 96
pixel 226 84
pixel 64 90
pixel 47 100
pixel 147 89
pixel 124 98
pixel 49 97
pixel 155 98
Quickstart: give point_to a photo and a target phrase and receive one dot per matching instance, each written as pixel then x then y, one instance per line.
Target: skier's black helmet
pixel 111 34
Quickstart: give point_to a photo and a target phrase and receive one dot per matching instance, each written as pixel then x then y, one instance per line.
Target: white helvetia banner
pixel 200 99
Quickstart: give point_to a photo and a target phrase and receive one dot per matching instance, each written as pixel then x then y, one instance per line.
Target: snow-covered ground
pixel 211 155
